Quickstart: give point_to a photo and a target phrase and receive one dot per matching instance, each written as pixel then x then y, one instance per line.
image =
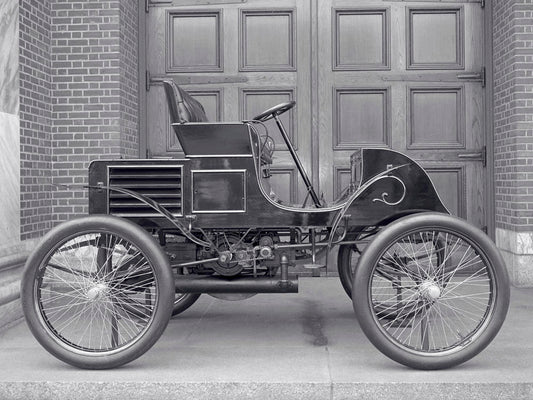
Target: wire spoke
pixel 431 291
pixel 97 292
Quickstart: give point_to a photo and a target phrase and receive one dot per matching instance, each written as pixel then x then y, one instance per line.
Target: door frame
pixel 143 86
pixel 490 201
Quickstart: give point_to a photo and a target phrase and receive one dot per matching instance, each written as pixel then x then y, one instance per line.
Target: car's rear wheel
pixel 431 291
pixel 182 301
pixel 348 258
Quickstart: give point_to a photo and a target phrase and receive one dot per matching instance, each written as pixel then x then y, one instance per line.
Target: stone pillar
pixel 9 124
pixel 9 160
pixel 513 135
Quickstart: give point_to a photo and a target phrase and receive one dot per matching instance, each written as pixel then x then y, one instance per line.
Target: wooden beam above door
pixel 193 79
pixel 185 3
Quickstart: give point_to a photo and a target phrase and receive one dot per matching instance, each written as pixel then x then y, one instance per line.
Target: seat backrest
pixel 182 107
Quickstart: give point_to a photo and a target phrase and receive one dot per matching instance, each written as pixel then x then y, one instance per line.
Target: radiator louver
pixel 160 183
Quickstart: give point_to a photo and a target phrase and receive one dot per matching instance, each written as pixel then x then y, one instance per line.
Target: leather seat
pixel 182 107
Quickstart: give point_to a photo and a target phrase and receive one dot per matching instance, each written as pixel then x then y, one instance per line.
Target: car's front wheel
pixel 97 292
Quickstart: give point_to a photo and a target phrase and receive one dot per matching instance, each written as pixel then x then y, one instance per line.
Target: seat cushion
pixel 195 110
pixel 182 106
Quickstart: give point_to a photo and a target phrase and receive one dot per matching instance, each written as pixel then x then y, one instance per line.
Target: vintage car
pixel 429 290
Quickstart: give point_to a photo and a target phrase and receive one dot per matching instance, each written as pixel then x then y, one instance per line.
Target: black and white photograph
pixel 266 199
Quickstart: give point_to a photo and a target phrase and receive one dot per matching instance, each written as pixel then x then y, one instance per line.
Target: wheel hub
pixel 97 291
pixel 430 290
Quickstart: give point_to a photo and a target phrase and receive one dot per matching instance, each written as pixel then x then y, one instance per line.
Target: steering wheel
pixel 273 111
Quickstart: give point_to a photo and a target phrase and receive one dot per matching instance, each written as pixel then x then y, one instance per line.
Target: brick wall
pixel 35 118
pixel 513 135
pixel 78 100
pixel 85 94
pixel 513 113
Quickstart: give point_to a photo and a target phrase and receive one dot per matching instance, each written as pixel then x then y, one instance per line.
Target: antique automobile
pixel 429 290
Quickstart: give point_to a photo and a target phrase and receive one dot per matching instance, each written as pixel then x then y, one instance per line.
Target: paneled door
pixel 408 76
pixel 237 58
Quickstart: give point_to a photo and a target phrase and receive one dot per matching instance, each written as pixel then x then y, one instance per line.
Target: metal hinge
pixel 151 3
pixel 148 79
pixel 476 156
pixel 474 76
pixel 153 79
pixel 482 3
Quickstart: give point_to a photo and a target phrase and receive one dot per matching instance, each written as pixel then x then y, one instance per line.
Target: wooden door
pixel 237 58
pixel 405 75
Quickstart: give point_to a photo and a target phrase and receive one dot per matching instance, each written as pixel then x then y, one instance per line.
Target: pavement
pixel 274 346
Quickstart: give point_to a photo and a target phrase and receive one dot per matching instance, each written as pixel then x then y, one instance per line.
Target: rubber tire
pixel 151 250
pixel 362 302
pixel 343 268
pixel 187 300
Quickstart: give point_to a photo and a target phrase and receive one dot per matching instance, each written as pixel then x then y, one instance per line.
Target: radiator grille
pixel 160 183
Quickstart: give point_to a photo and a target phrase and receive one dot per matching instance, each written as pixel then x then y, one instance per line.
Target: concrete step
pixel 263 390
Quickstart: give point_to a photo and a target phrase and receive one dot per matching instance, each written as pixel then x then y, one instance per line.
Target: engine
pixel 231 253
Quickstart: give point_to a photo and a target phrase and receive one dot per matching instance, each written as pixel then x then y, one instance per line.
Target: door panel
pixel 436 118
pixel 360 118
pixel 204 53
pixel 360 39
pixel 435 38
pixel 450 181
pixel 267 39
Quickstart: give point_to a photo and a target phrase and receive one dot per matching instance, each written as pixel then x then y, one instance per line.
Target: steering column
pixel 275 112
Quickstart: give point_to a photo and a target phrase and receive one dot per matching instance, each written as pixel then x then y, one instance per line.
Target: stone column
pixel 513 135
pixel 9 160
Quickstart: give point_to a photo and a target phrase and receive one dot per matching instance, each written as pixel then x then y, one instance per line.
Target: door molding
pixel 490 198
pixel 141 54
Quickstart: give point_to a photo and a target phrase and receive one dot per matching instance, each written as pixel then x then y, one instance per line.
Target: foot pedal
pixel 314 266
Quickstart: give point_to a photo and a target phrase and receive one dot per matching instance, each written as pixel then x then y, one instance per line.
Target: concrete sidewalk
pixel 293 346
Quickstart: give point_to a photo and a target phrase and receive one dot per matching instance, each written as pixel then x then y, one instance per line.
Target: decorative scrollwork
pixel 385 195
